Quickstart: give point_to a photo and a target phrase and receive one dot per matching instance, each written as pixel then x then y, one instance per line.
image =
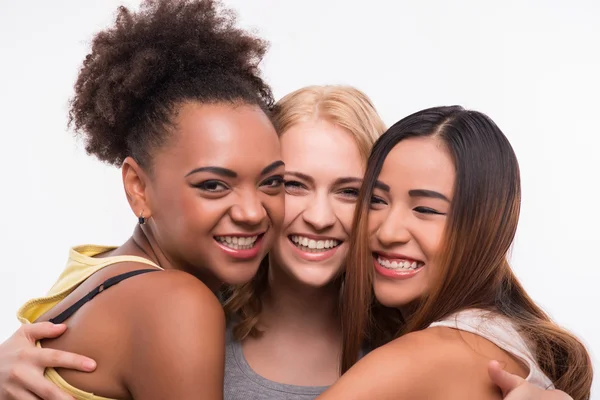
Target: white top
pixel 500 331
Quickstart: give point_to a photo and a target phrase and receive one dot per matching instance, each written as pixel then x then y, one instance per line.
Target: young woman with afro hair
pixel 172 95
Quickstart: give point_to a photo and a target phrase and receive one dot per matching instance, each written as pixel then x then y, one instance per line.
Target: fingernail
pixel 89 364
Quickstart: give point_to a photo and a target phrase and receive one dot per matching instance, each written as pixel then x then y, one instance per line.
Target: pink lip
pixel 399 275
pixel 243 254
pixel 394 256
pixel 314 237
pixel 320 256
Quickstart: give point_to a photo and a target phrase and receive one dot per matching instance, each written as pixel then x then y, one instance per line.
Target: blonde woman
pixel 284 330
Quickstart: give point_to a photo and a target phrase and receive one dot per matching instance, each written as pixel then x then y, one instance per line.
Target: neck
pixel 288 303
pixel 408 310
pixel 143 244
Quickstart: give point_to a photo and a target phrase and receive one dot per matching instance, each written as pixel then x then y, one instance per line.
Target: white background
pixel 533 66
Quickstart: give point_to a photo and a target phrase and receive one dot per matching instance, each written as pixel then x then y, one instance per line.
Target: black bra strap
pixel 63 316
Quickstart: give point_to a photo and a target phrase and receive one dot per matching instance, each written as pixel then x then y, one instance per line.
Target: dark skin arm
pixel 154 336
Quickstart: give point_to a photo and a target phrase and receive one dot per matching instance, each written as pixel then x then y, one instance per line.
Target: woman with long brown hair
pixel 435 220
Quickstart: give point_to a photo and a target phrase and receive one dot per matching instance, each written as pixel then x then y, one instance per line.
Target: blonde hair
pixel 343 106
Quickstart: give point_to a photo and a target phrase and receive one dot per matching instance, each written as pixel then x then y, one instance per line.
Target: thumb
pixel 506 381
pixel 42 330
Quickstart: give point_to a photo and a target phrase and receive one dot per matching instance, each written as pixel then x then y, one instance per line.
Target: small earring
pixel 141 218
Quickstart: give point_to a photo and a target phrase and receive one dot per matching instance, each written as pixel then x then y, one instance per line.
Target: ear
pixel 135 182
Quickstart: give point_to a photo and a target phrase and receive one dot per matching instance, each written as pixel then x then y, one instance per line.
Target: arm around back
pixel 419 365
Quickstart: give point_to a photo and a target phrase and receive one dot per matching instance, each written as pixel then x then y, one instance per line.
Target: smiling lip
pixel 395 256
pixel 395 273
pixel 243 254
pixel 308 256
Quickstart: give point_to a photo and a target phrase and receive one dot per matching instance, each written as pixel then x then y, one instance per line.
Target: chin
pixel 394 296
pixel 315 276
pixel 238 276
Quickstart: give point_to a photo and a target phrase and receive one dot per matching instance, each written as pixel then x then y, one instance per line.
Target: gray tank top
pixel 242 383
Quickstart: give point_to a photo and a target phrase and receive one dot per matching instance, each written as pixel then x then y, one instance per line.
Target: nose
pixel 249 209
pixel 393 230
pixel 319 214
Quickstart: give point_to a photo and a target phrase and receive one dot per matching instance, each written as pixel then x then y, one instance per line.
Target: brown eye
pixel 273 182
pixel 427 210
pixel 212 186
pixel 377 200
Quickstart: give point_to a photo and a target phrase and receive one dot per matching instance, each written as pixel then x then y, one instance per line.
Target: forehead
pixel 419 163
pixel 321 148
pixel 222 135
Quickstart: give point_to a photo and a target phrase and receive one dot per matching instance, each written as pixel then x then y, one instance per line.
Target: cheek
pixel 431 238
pixel 345 214
pixel 294 206
pixel 376 218
pixel 198 214
pixel 275 206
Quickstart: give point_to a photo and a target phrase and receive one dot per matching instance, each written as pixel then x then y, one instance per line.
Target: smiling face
pixel 216 191
pixel 408 216
pixel 324 170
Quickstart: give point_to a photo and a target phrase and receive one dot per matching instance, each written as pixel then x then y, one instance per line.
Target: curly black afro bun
pixel 149 62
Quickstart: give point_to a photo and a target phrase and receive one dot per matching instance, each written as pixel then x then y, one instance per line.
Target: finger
pixel 38 387
pixel 43 330
pixel 504 380
pixel 18 394
pixel 61 359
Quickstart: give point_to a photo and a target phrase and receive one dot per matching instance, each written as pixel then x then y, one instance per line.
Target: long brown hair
pixel 473 267
pixel 343 106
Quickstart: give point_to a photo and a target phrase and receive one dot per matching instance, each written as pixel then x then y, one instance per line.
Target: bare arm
pixel 22 364
pixel 420 365
pixel 178 342
pixel 516 388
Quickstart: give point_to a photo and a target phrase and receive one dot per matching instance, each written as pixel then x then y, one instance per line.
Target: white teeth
pixel 237 242
pixel 314 245
pixel 402 264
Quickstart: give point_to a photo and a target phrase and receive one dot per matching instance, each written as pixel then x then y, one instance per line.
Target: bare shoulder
pixel 162 319
pixel 429 364
pixel 177 339
pixel 175 304
pixel 175 290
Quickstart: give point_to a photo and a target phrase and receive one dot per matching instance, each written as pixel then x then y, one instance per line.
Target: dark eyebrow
pixel 301 176
pixel 215 170
pixel 346 180
pixel 269 168
pixel 427 193
pixel 382 186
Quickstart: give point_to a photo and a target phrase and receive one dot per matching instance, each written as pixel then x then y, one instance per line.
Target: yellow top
pixel 81 265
